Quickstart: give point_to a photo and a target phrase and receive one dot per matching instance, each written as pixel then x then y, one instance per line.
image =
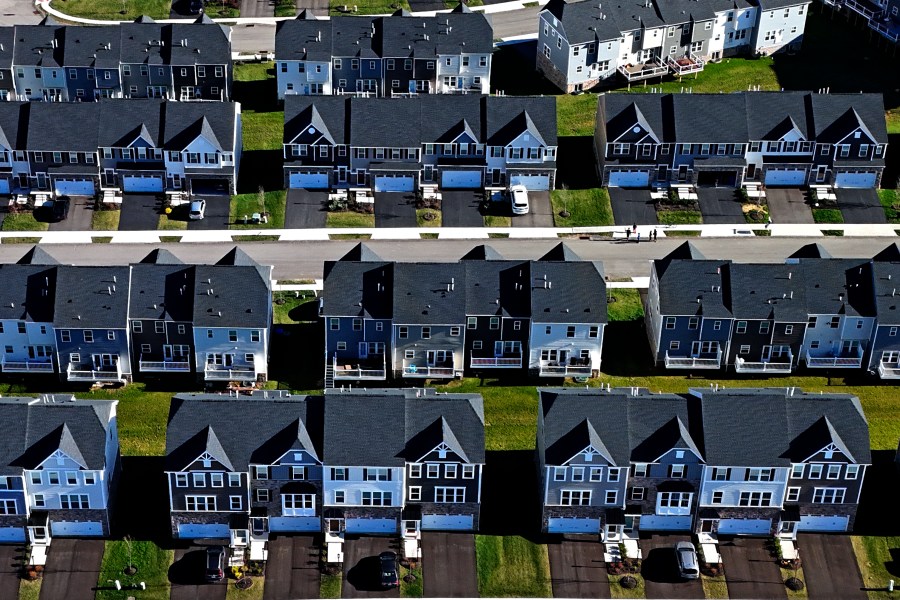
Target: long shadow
pixel 631 358
pixel 877 513
pixel 190 570
pixel 511 470
pixel 258 95
pixel 260 168
pixel 660 566
pixel 576 167
pixel 507 65
pixel 365 575
pixel 891 176
pixel 140 507
pixel 295 354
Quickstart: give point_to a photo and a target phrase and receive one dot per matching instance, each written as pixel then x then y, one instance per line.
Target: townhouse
pixel 616 462
pixel 308 465
pixel 882 16
pixel 449 53
pixel 797 465
pixel 779 139
pixel 144 145
pixel 59 468
pixel 885 356
pixel 471 142
pixel 141 59
pixel 152 318
pixel 582 45
pixel 483 313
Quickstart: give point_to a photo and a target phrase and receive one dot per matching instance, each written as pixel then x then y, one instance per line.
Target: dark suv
pixel 389 577
pixel 215 563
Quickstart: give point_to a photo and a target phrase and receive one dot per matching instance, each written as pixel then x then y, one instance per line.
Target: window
pixel 596 474
pixel 455 331
pixel 815 471
pixel 298 473
pixel 450 471
pixel 594 332
pixel 409 354
pixel 674 345
pixel 262 495
pixel 199 479
pixel 793 494
pixel 676 500
pixel 403 332
pixel 835 322
pixel 432 471
pixel 517 325
pixel 641 469
pixel 756 474
pixel 851 472
pixel 71 478
pixel 377 474
pixel 334 324
pixel 415 493
pixel 720 474
pixel 39 501
pixel 295 505
pixel 8 507
pixel 234 502
pixel 450 495
pixel 377 498
pixel 717 497
pixel 232 336
pixel 254 336
pixel 756 499
pixel 339 496
pixel 200 503
pixel 234 479
pixel 111 335
pixel 577 473
pixel 693 322
pixel 89 479
pixel 670 322
pixel 260 472
pixel 764 327
pixel 834 472
pixel 53 478
pixel 788 329
pixel 88 336
pixel 741 327
pixel 73 501
pixel 426 333
pixel 181 480
pixel 575 497
pixel 677 471
pixel 495 323
pixel 613 475
pixel 797 471
pixel 468 471
pixel 637 493
pixel 829 495
pixel 612 496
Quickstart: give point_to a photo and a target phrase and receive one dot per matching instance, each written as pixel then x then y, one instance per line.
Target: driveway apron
pixel 577 569
pixel 448 563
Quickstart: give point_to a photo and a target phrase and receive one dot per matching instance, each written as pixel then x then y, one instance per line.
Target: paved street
pixel 829 567
pixel 292 570
pixel 577 569
pixel 448 564
pixel 72 569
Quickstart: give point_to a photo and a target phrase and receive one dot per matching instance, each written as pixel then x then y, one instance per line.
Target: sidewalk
pixel 44 5
pixel 616 233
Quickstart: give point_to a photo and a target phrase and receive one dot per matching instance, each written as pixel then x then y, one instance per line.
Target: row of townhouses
pixel 588 43
pixel 140 59
pixel 422 142
pixel 140 145
pixel 771 138
pixel 882 16
pixel 815 310
pixel 154 318
pixel 412 320
pixel 312 463
pixel 449 53
pixel 763 461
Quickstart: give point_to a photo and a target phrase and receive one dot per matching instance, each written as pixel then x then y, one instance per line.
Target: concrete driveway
pixel 660 568
pixel 577 569
pixel 362 577
pixel 632 207
pixel 72 569
pixel 10 559
pixel 720 205
pixel 750 570
pixel 292 570
pixel 140 212
pixel 860 205
pixel 257 8
pixel 187 577
pixel 448 564
pixel 319 7
pixel 305 209
pixel 788 205
pixel 395 209
pixel 79 217
pixel 540 212
pixel 218 214
pixel 459 208
pixel 829 566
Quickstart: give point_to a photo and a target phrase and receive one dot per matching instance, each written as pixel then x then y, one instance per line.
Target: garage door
pixel 448 522
pixel 791 177
pixel 192 531
pixel 210 187
pixel 745 527
pixel 819 523
pixel 461 179
pixel 74 187
pixel 142 183
pixel 312 181
pixel 665 523
pixel 63 528
pixel 388 183
pixel 371 526
pixel 4 186
pixel 717 178
pixel 629 179
pixel 573 525
pixel 532 182
pixel 857 179
pixel 294 524
pixel 12 534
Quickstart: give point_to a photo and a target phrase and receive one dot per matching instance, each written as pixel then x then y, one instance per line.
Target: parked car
pixel 389 576
pixel 518 198
pixel 198 209
pixel 215 563
pixel 688 566
pixel 60 209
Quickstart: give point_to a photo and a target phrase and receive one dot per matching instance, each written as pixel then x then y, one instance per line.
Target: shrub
pixel 793 583
pixel 628 582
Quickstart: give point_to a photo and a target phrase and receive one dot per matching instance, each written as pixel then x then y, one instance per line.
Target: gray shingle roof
pixel 887 301
pixel 575 292
pixel 786 426
pixel 69 127
pixel 201 422
pixel 184 121
pixel 584 22
pixel 767 291
pixel 78 428
pixel 301 112
pixel 88 297
pixel 39 45
pixel 13 124
pixel 7 40
pixel 124 122
pixel 498 287
pixel 27 292
pixel 37 255
pixel 429 293
pixel 231 296
pixel 96 47
pixel 162 292
pixel 693 287
pixel 831 286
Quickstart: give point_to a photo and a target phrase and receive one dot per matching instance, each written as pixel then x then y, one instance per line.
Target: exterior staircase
pixel 329 375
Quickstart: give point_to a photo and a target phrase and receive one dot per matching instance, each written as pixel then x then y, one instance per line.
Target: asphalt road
pixel 302 260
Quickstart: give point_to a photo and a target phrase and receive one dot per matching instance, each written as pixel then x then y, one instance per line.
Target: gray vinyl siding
pixel 598 488
pixel 222 494
pixel 732 488
pixel 346 334
pixel 883 341
pixel 169 336
pixel 101 345
pixel 506 333
pixel 440 340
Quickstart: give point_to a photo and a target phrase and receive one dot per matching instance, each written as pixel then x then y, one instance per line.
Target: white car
pixel 518 198
pixel 198 210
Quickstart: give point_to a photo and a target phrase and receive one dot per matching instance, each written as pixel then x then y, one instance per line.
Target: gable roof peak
pixel 889 254
pixel 482 252
pixel 37 256
pixel 811 251
pixel 561 252
pixel 161 256
pixel 306 15
pixel 361 253
pixel 462 7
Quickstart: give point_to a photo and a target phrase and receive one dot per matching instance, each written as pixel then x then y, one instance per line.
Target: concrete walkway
pixel 613 233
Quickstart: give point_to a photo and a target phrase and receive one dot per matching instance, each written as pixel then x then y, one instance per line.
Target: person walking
pixel 655 234
pixel 634 228
pixel 638 237
pixel 627 234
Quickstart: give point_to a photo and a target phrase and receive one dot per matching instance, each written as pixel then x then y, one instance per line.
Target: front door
pixel 820 173
pixel 259 526
pixel 342 174
pixel 695 349
pixel 38 535
pixel 662 173
pixel 632 523
pixel 682 173
pixel 767 353
pixel 229 360
pixel 849 347
pixel 167 353
pixel 334 525
pixel 363 349
pixel 709 525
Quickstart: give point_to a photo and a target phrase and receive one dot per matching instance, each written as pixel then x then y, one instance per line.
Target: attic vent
pixel 789 274
pixel 840 297
pixel 184 43
pixel 220 313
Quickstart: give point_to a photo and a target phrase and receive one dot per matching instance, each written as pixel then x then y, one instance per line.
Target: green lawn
pixel 511 566
pixel 263 130
pixel 893 121
pixel 586 207
pixel 170 223
pixel 617 591
pixel 791 594
pixel 282 312
pixel 349 219
pixel 890 201
pixel 285 8
pixel 112 9
pixel 105 220
pixel 421 221
pixel 254 593
pixel 411 589
pixel 330 586
pixel 576 115
pixel 497 221
pixel 827 215
pixel 23 221
pixel 714 587
pixel 624 304
pixel 252 71
pixel 366 7
pixel 873 554
pixel 152 564
pixel 30 590
pixel 246 204
pixel 679 217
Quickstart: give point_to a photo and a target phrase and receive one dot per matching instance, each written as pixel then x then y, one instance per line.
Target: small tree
pixel 130 569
